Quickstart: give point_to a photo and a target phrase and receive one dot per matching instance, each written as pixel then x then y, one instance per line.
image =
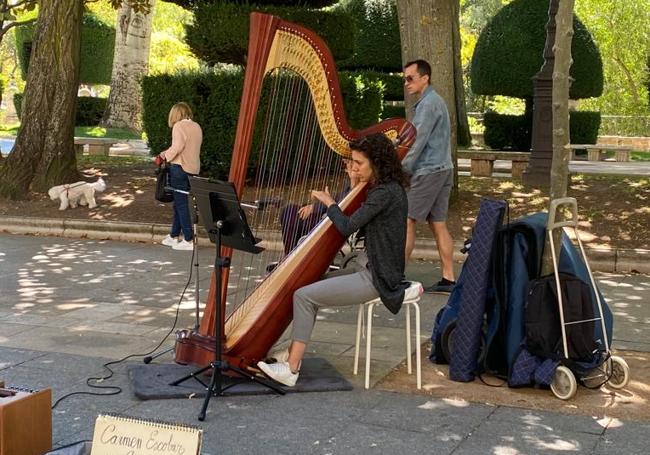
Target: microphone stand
pixel 195 255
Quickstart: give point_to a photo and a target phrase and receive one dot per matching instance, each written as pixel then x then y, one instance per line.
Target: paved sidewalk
pixel 621 260
pixel 69 305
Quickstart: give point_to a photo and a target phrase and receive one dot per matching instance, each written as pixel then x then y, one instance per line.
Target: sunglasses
pixel 409 79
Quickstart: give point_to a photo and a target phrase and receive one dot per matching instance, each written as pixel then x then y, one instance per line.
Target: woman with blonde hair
pixel 183 158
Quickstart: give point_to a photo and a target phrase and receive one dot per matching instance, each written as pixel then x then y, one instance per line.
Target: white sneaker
pixel 183 245
pixel 279 372
pixel 170 241
pixel 281 355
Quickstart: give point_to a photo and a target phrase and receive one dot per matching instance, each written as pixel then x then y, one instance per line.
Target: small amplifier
pixel 25 421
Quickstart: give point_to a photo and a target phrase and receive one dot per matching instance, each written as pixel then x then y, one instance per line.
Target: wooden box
pixel 25 421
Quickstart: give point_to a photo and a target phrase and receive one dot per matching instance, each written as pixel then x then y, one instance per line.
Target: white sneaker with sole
pixel 183 245
pixel 279 372
pixel 170 241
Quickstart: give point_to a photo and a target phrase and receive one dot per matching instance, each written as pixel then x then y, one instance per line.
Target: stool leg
pixel 418 361
pixel 368 344
pixel 408 339
pixel 356 346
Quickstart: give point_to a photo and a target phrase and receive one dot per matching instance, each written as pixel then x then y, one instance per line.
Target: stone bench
pixel 595 151
pixel 482 162
pixel 93 145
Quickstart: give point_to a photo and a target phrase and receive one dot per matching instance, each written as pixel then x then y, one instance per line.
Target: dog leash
pixel 68 187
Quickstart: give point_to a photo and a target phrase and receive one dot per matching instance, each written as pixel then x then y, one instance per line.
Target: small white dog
pixel 81 193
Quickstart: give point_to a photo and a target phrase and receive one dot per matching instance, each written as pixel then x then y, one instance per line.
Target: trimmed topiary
pixel 377 44
pixel 97 44
pixel 219 32
pixel 509 52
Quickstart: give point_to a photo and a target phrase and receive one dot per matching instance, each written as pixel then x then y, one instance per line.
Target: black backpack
pixel 542 318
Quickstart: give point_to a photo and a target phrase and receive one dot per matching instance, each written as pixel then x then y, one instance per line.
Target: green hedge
pixel 584 127
pixel 89 109
pixel 377 44
pixel 96 58
pixel 507 131
pixel 509 52
pixel 219 32
pixel 215 99
pixel 515 131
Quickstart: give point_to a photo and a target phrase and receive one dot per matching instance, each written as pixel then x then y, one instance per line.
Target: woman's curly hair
pixel 386 166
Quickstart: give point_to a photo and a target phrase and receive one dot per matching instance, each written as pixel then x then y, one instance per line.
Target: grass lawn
pixel 9 130
pixel 97 131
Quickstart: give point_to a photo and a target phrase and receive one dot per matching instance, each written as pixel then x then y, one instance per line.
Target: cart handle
pixel 552 213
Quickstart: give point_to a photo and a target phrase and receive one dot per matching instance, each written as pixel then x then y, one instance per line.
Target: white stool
pixel 411 298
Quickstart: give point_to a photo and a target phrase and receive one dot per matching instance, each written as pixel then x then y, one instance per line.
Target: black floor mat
pixel 151 382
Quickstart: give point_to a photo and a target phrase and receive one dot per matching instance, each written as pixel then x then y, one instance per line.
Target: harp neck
pixel 275 43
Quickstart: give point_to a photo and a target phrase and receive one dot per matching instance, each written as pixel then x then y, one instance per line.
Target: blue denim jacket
pixel 431 151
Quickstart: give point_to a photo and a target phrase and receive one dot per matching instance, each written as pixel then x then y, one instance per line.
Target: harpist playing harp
pixel 294 146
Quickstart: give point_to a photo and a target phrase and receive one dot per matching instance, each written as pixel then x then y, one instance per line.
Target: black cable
pixel 115 390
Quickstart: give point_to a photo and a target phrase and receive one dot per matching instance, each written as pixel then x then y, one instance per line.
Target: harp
pixel 299 153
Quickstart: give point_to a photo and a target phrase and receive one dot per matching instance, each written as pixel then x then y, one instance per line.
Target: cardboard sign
pixel 121 435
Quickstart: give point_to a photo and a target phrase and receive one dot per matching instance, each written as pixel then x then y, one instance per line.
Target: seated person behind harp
pixel 297 222
pixel 383 216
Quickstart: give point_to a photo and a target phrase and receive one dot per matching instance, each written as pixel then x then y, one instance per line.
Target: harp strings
pixel 292 159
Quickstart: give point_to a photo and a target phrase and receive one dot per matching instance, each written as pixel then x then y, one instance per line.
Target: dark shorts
pixel 429 194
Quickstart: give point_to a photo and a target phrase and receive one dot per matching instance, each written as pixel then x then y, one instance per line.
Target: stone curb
pixel 600 259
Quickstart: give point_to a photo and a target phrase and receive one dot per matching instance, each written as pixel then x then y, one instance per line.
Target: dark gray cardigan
pixel 384 217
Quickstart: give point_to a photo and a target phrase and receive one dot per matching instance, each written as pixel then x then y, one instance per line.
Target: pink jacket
pixel 186 146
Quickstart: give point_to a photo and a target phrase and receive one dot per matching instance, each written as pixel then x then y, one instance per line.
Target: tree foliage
pixel 97 40
pixel 509 52
pixel 219 33
pixel 622 31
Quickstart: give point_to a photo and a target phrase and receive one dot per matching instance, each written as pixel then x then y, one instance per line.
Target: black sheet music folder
pixel 219 199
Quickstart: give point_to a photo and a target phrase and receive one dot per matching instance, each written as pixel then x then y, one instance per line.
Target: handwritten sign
pixel 121 435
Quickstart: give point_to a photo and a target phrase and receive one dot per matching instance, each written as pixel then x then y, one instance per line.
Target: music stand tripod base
pixel 225 221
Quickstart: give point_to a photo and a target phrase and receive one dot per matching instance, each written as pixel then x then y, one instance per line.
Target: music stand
pixel 226 224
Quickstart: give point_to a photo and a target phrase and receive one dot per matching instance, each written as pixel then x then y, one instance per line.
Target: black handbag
pixel 163 193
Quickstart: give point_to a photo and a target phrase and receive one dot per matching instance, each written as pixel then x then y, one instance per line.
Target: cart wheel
pixel 564 385
pixel 620 373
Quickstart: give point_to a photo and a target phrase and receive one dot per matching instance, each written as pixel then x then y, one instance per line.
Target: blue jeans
pixel 179 180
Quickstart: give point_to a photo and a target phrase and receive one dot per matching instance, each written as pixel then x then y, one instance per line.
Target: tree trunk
pixel 464 136
pixel 427 32
pixel 44 151
pixel 130 64
pixel 561 85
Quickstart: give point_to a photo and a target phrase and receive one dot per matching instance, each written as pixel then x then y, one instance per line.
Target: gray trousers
pixel 342 290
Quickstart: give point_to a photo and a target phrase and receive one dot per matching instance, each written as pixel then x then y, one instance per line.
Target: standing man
pixel 431 168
